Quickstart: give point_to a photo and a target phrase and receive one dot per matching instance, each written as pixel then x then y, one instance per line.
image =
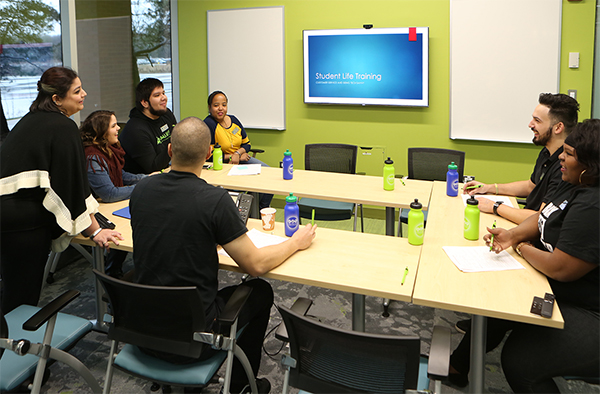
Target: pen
pixel 474 187
pixel 404 277
pixel 402 180
pixel 492 240
pixel 313 217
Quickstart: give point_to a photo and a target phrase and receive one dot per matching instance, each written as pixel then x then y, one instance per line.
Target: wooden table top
pixel 362 189
pixel 348 261
pixel 440 284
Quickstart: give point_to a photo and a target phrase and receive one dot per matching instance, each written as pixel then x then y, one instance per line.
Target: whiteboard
pixel 503 54
pixel 246 60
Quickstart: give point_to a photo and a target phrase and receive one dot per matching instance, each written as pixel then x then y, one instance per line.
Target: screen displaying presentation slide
pixel 366 66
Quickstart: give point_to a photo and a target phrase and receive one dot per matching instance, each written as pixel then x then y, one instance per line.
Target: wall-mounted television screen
pixel 385 66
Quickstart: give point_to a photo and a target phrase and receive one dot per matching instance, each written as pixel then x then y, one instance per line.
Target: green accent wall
pixel 394 128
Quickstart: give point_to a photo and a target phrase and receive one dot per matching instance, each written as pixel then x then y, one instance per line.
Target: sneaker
pixel 463 326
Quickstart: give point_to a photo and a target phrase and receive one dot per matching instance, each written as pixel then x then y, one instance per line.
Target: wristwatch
pixel 496 205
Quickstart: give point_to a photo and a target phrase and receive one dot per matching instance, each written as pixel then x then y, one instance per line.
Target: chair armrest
pixel 234 305
pixel 255 151
pixel 44 314
pixel 301 306
pixel 439 353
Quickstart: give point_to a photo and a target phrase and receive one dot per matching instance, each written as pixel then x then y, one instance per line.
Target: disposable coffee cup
pixel 268 218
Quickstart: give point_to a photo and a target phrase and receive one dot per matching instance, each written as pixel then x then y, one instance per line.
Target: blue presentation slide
pixel 381 66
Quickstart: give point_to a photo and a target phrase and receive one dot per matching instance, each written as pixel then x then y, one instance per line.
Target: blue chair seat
pixel 325 209
pixel 423 382
pixel 133 360
pixel 15 369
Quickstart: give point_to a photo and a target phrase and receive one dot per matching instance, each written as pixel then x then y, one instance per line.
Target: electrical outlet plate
pixel 573 93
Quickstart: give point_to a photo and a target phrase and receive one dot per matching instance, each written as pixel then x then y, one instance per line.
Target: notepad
pixel 123 212
pixel 245 169
pixel 480 259
pixel 260 239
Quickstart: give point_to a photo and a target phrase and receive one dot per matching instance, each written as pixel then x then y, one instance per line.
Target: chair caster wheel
pixel 50 278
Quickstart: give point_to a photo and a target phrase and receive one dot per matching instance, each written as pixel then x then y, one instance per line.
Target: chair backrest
pixel 331 360
pixel 155 317
pixel 431 164
pixel 330 158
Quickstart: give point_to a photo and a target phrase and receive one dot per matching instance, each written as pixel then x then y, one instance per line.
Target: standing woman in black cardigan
pixel 45 195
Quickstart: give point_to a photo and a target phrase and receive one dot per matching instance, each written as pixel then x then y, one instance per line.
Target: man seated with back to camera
pixel 148 132
pixel 552 121
pixel 178 220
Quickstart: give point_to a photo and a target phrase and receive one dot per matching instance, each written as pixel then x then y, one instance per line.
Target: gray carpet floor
pixel 333 307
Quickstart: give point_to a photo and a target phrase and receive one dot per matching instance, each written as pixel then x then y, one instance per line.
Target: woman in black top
pixel 562 242
pixel 44 189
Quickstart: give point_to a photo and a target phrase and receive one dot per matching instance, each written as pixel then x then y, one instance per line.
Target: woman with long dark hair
pixel 44 189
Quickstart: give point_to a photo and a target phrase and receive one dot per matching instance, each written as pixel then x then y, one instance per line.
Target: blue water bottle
pixel 452 180
pixel 288 165
pixel 292 215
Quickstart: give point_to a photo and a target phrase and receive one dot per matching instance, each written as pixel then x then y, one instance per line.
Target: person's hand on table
pixel 234 158
pixel 105 236
pixel 503 239
pixel 483 189
pixel 304 236
pixel 486 205
pixel 244 157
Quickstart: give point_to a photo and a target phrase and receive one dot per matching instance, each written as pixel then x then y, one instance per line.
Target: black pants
pixel 27 232
pixel 533 355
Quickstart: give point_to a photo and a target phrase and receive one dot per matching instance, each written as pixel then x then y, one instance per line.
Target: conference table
pixel 499 294
pixel 369 264
pixel 358 263
pixel 358 189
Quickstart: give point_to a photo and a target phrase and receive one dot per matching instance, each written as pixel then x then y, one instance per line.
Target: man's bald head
pixel 190 142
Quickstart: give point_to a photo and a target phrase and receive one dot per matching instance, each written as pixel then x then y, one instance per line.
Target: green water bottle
pixel 472 219
pixel 416 223
pixel 388 175
pixel 217 158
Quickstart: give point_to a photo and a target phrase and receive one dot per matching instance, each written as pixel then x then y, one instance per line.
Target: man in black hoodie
pixel 147 134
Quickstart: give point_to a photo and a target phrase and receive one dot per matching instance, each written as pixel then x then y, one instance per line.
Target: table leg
pixel 478 341
pixel 98 324
pixel 358 312
pixel 390 213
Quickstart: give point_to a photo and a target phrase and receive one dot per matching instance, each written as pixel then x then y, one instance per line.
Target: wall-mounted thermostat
pixel 573 59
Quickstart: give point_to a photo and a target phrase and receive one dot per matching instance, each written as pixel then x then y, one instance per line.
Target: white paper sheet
pixel 480 259
pixel 245 169
pixel 493 197
pixel 259 239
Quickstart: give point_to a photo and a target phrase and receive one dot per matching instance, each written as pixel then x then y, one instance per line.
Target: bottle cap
pixel 452 166
pixel 217 146
pixel 287 153
pixel 291 198
pixel 473 201
pixel 416 204
pixel 389 161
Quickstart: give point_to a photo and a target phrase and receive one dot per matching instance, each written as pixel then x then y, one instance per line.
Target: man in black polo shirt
pixel 178 220
pixel 552 120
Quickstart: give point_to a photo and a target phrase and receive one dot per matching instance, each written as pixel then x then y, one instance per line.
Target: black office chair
pixel 43 335
pixel 325 359
pixel 430 164
pixel 331 158
pixel 170 320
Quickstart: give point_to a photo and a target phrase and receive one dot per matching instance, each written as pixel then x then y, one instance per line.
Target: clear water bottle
pixel 472 219
pixel 291 215
pixel 217 158
pixel 452 180
pixel 288 165
pixel 416 223
pixel 388 175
